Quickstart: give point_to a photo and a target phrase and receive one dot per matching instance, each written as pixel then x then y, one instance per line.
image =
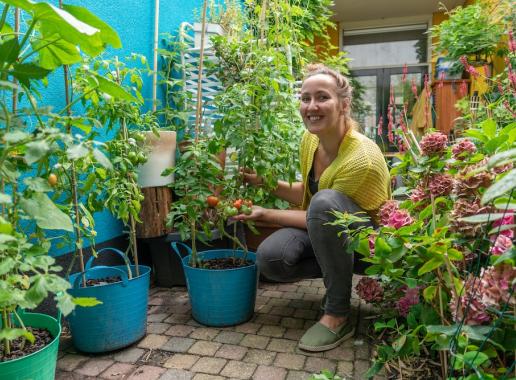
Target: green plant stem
pixel 33 105
pixel 71 104
pixel 27 33
pixel 442 354
pixel 6 324
pixel 194 245
pixel 22 325
pixel 23 58
pixel 4 16
pixel 235 240
pixel 133 244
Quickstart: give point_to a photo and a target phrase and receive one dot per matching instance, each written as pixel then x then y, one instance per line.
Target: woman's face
pixel 321 107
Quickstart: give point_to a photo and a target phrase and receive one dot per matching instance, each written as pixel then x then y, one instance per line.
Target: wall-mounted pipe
pixel 155 55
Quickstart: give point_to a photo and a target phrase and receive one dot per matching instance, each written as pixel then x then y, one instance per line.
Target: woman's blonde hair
pixel 344 89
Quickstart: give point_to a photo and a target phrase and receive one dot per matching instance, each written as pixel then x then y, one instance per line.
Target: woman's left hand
pixel 257 213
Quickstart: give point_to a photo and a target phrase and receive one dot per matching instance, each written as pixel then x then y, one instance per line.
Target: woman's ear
pixel 345 104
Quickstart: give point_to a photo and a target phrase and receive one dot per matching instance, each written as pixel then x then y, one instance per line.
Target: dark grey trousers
pixel 292 254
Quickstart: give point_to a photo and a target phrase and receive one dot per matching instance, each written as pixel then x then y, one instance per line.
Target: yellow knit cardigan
pixel 359 171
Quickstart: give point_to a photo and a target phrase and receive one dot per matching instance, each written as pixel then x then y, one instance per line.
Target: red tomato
pixel 238 203
pixel 212 200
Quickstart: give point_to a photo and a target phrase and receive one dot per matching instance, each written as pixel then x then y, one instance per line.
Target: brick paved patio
pixel 178 348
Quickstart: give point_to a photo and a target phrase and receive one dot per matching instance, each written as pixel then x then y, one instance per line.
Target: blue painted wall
pixel 134 22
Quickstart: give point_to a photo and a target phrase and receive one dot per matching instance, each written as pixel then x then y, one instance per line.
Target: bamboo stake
pixel 198 113
pixel 75 197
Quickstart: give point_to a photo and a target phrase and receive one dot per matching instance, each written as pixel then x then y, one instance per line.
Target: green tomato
pixel 142 158
pixel 246 210
pixel 132 156
pixel 230 211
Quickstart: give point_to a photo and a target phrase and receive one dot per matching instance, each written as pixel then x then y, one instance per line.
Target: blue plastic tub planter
pixel 40 365
pixel 121 319
pixel 220 297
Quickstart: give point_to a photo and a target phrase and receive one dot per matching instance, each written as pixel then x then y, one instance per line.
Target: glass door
pixel 377 85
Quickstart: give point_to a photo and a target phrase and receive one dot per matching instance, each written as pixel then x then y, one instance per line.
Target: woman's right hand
pixel 251 177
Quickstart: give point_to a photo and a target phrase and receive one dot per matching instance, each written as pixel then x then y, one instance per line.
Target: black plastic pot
pixel 167 268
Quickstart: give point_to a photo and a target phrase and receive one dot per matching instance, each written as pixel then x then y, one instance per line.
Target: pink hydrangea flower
pixel 463 148
pixel 410 298
pixel 495 285
pixel 440 184
pixel 399 218
pixel 470 299
pixel 433 143
pixel 369 290
pixel 386 210
pixel 418 194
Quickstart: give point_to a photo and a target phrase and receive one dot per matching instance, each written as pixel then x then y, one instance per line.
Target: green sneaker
pixel 321 338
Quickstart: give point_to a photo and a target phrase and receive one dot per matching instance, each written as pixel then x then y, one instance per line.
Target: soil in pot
pixel 225 263
pixel 102 281
pixel 21 347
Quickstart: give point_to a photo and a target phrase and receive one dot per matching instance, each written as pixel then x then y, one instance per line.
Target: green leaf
pixel 482 218
pixel 430 265
pixel 11 334
pixel 107 34
pixel 36 150
pixel 381 248
pixel 37 291
pixel 502 157
pixel 374 369
pixel 9 51
pixel 489 128
pixel 55 52
pixel 86 301
pixel 77 151
pixel 102 159
pixel 501 187
pixel 46 214
pixel 475 358
pixel 509 255
pixel 58 21
pixel 5 199
pixel 4 238
pixel 15 136
pixel 113 89
pixel 429 293
pixel 6 265
pixel 399 343
pixel 24 72
pixel 38 184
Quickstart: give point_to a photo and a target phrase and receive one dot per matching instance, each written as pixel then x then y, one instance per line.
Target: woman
pixel 341 170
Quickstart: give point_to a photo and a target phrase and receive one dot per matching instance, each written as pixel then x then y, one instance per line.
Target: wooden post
pixel 153 214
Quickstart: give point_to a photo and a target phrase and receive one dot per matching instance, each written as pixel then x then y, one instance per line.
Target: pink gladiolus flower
pixel 501 244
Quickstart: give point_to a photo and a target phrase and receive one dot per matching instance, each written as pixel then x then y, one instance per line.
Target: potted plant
pixel 473 31
pixel 222 282
pixel 28 273
pixel 117 108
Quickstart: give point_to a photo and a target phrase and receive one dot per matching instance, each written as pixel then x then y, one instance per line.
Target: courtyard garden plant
pixel 471 31
pixel 442 266
pixel 30 52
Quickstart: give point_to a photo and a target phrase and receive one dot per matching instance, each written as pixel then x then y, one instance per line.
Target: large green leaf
pixel 36 150
pixel 113 89
pixel 46 214
pixel 54 52
pixel 502 157
pixel 430 265
pixel 26 5
pixel 108 34
pixel 102 159
pixel 24 72
pixel 503 186
pixel 9 51
pixel 5 199
pixel 482 218
pixel 58 21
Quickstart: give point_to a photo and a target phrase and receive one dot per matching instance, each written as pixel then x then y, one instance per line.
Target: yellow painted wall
pixel 333 33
